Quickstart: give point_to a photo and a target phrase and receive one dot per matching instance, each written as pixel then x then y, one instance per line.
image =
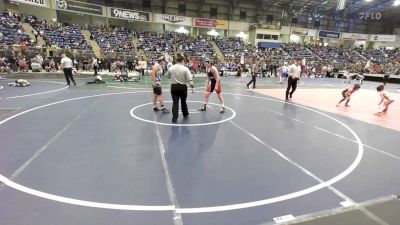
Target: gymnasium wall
pixel 40 12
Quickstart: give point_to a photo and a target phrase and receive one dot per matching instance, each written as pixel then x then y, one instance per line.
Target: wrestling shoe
pixel 164 110
pixel 155 109
pixel 204 108
pixel 222 110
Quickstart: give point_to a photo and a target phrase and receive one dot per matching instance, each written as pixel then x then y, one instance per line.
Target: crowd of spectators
pixel 273 54
pixel 380 56
pixel 296 51
pixel 237 54
pixel 336 55
pixel 233 48
pixel 158 44
pixel 167 43
pixel 64 36
pixel 112 39
pixel 11 30
pixel 196 47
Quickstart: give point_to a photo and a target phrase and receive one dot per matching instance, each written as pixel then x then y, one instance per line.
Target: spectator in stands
pixel 23 65
pixel 4 68
pixel 142 65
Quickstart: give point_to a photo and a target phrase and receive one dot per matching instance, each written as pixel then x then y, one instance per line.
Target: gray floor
pixel 377 212
pixel 92 149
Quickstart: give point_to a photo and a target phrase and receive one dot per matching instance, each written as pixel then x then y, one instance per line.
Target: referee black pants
pixel 68 75
pixel 253 80
pixel 179 91
pixel 292 84
pixel 385 79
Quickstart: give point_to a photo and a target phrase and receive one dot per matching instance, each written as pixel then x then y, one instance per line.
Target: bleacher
pixel 295 51
pixel 113 39
pixel 119 40
pixel 336 55
pixel 158 44
pixel 11 31
pixel 274 54
pixel 232 48
pixel 198 47
pixel 62 35
pixel 154 44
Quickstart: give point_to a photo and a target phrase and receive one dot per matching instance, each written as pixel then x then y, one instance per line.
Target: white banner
pixel 312 32
pixel 381 37
pixel 41 3
pixel 127 14
pixel 299 31
pixel 171 19
pixel 304 31
pixel 354 36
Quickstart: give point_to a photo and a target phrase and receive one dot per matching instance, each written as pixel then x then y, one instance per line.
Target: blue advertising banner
pixel 328 34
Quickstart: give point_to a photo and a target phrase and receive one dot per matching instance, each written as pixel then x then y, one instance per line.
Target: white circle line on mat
pixel 245 205
pixel 181 124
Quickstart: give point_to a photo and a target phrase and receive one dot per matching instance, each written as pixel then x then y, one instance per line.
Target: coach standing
pixel 180 76
pixel 294 76
pixel 66 65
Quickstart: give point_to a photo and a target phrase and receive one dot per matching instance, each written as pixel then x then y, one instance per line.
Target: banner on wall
pixel 354 36
pixel 129 14
pixel 210 23
pixel 80 7
pixel 312 32
pixel 171 19
pixel 299 31
pixel 328 34
pixel 398 38
pixel 381 37
pixel 41 3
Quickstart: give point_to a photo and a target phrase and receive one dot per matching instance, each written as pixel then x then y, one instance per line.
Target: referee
pixel 294 76
pixel 66 65
pixel 180 75
pixel 254 72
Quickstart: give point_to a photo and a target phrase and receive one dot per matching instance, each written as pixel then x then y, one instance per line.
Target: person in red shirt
pixel 195 67
pixel 23 47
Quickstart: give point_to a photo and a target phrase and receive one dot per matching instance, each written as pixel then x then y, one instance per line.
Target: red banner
pixel 221 24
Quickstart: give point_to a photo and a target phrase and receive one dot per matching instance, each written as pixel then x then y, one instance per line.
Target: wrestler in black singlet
pixel 213 81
